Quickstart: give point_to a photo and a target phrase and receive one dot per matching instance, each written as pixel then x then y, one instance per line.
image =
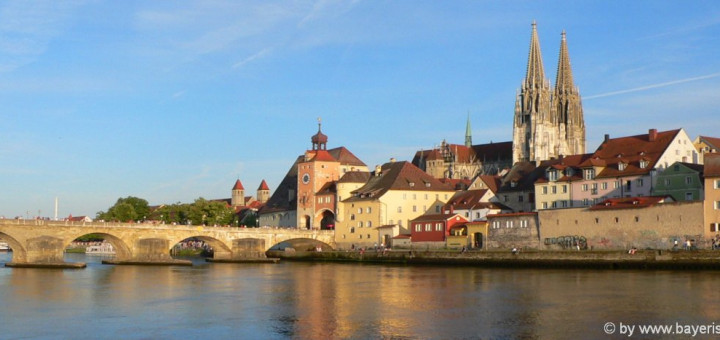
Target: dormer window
pixel 622 166
pixel 643 164
pixel 513 184
pixel 411 184
pixel 427 184
pixel 589 174
pixel 552 175
pixel 569 172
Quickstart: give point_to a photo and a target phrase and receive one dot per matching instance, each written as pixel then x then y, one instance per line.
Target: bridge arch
pixel 220 248
pixel 301 244
pixel 122 250
pixel 19 252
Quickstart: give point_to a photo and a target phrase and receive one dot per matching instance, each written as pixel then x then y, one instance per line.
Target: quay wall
pixel 642 259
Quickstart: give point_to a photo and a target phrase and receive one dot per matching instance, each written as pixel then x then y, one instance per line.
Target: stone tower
pixel 263 192
pixel 238 194
pixel 547 123
pixel 568 106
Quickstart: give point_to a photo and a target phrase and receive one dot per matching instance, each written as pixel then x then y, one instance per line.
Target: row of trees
pixel 200 212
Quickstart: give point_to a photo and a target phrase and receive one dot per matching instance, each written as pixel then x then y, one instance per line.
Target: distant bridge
pixel 43 242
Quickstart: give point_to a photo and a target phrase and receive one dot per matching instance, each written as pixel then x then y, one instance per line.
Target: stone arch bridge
pixel 42 242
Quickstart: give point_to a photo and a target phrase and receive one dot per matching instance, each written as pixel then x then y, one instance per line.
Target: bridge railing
pixel 148 225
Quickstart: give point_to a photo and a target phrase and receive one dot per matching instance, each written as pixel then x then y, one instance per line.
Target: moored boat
pixel 104 248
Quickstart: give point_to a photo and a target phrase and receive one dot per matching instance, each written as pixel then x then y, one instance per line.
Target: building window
pixel 368 236
pixel 505 198
pixel 418 227
pixel 520 198
pixel 617 220
pixel 437 208
pixel 352 217
pixel 369 224
pixel 637 218
pixel 667 181
pixel 621 166
pixel 597 220
pixel 352 230
pixel 640 182
pixel 414 208
pixel 428 227
pixel 360 224
pixel 604 185
pixel 688 196
pixel 717 184
pixel 589 174
pixel 564 203
pixel 714 227
pixel 688 180
pixel 554 204
pixel 564 189
pixel 554 189
pixel 359 210
pixel 586 201
pixel 593 189
pixel 717 205
pixel 399 209
pixel 369 210
pixel 544 190
pixel 584 187
pixel 616 184
pixel 628 185
pixel 544 205
pixel 438 227
pixel 643 164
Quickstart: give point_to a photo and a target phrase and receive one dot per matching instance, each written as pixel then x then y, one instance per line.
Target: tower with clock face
pixel 317 170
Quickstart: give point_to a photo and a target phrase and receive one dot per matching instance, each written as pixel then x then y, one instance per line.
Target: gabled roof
pixel 457 183
pixel 281 199
pixel 437 217
pixel 562 164
pixel 492 182
pixel 466 199
pixel 322 156
pixel 328 188
pixel 345 157
pixel 712 165
pixel 354 177
pixel 631 150
pixel 398 176
pixel 711 141
pixel 631 202
pixel 521 177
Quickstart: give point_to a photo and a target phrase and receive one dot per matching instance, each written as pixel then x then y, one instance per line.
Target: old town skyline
pixel 214 109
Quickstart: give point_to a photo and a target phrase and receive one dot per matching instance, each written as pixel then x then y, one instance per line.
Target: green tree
pixel 204 212
pixel 126 209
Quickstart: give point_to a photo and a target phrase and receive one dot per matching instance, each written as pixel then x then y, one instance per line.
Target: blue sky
pixel 171 101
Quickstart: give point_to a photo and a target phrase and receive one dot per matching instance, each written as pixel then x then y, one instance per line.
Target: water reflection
pixel 324 300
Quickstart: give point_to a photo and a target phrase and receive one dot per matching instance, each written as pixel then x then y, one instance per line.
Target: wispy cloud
pixel 26 29
pixel 653 86
pixel 257 55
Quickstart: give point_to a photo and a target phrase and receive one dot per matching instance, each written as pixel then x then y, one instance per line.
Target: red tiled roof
pixel 465 199
pixel 492 182
pixel 263 186
pixel 323 156
pixel 398 176
pixel 630 150
pixel 712 141
pixel 457 183
pixel 712 165
pixel 238 185
pixel 512 214
pixel 631 202
pixel 481 152
pixel 437 217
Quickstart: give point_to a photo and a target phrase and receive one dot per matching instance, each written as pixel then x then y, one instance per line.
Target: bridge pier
pixel 153 251
pixel 43 252
pixel 245 250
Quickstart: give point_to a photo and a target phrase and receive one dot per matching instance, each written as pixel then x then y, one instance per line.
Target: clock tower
pixel 316 172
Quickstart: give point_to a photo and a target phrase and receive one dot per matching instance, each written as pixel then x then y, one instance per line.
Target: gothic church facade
pixel 548 122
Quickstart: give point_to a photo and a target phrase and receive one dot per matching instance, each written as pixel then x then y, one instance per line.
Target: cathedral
pixel 548 122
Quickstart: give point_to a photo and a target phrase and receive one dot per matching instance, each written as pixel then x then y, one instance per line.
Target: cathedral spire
pixel 535 74
pixel 468 132
pixel 564 80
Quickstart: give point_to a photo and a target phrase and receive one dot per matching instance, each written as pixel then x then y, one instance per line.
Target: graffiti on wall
pixel 567 242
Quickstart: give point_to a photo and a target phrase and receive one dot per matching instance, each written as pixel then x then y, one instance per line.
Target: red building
pixel 434 229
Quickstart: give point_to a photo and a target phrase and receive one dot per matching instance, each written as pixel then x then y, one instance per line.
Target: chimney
pixel 607 137
pixel 652 135
pixel 392 160
pixel 378 170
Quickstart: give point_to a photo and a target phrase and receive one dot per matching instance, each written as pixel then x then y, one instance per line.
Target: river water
pixel 344 301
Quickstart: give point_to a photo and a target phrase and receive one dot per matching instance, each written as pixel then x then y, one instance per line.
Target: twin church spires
pixel 548 123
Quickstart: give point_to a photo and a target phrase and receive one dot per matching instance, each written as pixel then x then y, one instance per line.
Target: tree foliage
pixel 128 209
